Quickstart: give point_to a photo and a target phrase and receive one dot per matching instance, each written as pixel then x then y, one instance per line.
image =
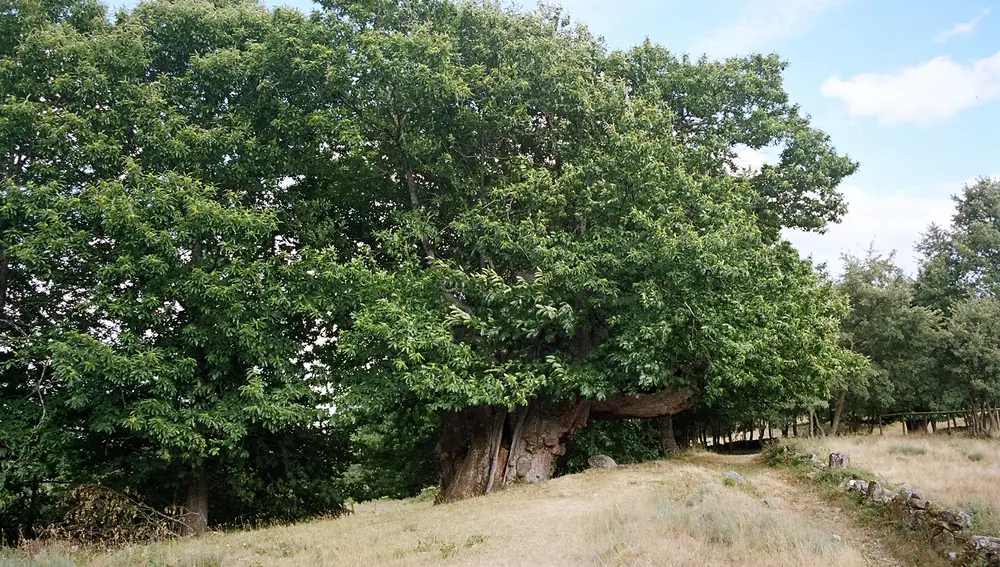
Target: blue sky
pixel 910 88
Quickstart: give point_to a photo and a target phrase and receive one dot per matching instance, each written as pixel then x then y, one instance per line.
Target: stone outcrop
pixel 981 551
pixel 946 528
pixel 871 491
pixel 839 460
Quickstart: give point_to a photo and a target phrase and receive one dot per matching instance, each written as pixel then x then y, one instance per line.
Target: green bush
pixel 626 441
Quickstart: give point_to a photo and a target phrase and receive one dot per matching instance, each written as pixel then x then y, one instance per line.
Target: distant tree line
pixel 933 340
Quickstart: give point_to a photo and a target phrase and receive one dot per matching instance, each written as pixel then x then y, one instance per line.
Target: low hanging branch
pixel 642 406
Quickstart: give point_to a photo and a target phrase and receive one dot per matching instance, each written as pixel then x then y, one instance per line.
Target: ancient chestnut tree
pixel 566 237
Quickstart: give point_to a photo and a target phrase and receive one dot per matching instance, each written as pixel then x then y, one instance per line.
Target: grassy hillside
pixel 677 512
pixel 953 470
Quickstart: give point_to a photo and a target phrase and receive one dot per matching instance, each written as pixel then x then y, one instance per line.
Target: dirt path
pixel 791 493
pixel 782 490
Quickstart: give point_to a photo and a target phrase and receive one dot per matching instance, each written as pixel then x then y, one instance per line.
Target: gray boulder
pixel 601 462
pixel 736 477
pixel 956 519
pixel 981 551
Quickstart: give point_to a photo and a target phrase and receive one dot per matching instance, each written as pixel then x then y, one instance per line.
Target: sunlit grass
pixel 953 470
pixel 670 513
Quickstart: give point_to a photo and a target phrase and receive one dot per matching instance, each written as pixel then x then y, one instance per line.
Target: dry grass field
pixel 955 470
pixel 678 512
pixel 669 513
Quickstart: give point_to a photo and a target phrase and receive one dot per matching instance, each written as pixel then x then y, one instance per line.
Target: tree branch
pixel 643 406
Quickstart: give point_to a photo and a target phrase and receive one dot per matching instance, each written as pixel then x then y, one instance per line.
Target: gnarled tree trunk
pixel 482 449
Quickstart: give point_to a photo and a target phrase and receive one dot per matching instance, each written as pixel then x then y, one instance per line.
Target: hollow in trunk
pixel 484 448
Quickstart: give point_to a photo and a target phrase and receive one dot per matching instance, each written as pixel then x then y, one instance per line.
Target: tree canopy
pixel 236 240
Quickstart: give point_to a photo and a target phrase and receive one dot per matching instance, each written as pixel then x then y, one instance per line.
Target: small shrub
pixel 475 539
pixel 910 450
pixel 985 517
pixel 448 549
pixel 428 494
pixel 976 456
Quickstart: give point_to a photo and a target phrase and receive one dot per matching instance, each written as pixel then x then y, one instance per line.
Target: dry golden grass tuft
pixel 955 470
pixel 672 513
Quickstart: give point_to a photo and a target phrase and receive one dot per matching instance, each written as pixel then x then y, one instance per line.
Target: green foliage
pixel 626 441
pixel 602 253
pixel 901 340
pixel 393 450
pixel 147 304
pixel 427 494
pixel 247 247
pixel 975 346
pixel 960 276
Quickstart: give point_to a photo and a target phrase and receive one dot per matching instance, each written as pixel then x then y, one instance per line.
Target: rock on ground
pixel 601 462
pixel 737 478
pixel 839 460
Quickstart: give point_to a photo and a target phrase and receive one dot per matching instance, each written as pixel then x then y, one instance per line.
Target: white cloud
pixel 751 160
pixel 762 23
pixel 889 222
pixel 930 92
pixel 963 28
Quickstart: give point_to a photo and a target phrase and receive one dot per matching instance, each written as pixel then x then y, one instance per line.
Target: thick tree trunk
pixel 839 413
pixel 482 449
pixel 668 442
pixel 539 438
pixel 196 503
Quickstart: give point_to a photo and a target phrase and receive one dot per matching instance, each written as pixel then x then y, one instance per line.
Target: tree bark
pixel 642 406
pixel 482 449
pixel 839 413
pixel 196 503
pixel 668 442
